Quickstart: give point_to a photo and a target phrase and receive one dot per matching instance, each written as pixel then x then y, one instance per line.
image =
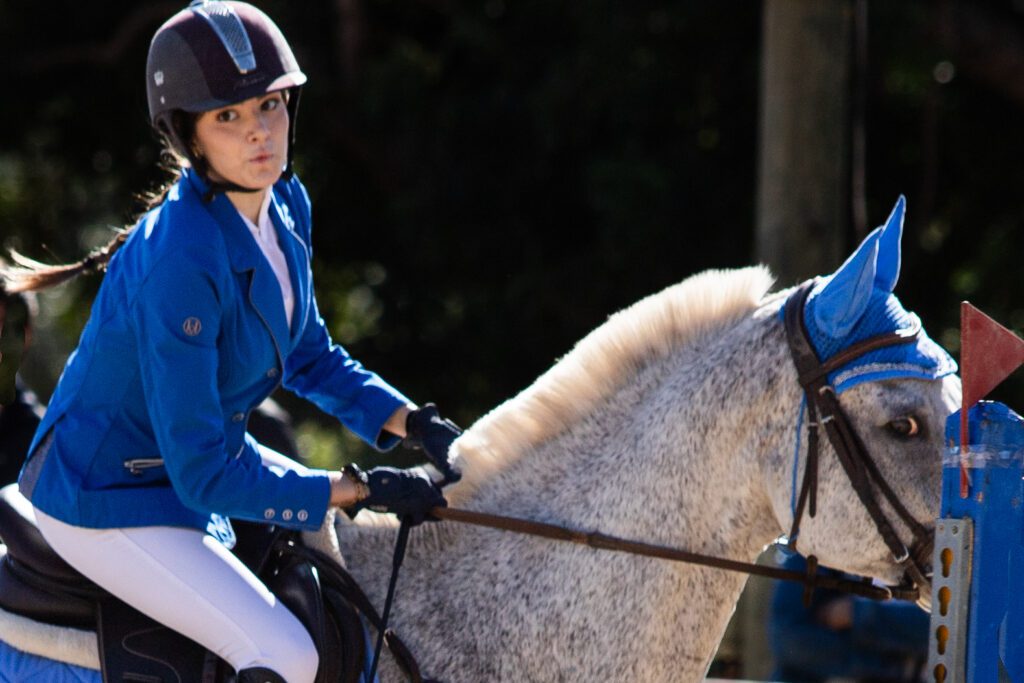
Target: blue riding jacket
pixel 187 335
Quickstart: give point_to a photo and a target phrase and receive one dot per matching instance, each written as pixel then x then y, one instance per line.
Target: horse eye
pixel 905 426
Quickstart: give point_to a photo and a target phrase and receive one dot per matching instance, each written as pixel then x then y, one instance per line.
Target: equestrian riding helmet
pixel 212 54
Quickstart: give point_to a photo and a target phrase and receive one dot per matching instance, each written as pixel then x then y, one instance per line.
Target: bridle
pixel 824 410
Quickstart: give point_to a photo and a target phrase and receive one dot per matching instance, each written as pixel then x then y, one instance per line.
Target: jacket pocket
pixel 138 466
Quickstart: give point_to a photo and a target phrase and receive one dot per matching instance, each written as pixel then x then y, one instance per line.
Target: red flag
pixel 989 353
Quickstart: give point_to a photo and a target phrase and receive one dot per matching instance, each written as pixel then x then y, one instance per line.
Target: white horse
pixel 678 422
pixel 675 423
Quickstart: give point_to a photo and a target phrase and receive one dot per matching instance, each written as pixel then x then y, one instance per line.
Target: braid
pixel 29 275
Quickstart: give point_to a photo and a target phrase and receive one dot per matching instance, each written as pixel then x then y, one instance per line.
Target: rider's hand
pixel 426 429
pixel 406 493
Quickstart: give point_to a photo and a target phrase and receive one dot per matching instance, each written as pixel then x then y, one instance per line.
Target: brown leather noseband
pixel 824 410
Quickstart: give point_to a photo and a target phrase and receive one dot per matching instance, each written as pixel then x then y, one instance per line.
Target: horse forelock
pixel 601 362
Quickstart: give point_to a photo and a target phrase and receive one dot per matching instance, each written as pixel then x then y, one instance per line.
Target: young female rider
pixel 206 308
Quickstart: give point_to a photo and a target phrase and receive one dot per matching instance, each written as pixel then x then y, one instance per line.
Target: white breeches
pixel 188 581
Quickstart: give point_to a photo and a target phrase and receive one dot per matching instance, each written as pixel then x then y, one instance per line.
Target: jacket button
pixel 269 513
pixel 302 515
pixel 286 515
pixel 238 417
pixel 272 373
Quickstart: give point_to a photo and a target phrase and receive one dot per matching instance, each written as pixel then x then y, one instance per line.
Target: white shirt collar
pixel 266 238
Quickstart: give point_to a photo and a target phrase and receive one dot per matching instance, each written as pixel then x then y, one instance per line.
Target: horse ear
pixel 888 270
pixel 845 295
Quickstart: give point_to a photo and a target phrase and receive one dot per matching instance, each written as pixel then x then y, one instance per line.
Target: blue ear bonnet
pixel 856 303
pixel 923 359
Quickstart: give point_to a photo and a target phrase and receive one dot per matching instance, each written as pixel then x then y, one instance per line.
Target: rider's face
pixel 245 143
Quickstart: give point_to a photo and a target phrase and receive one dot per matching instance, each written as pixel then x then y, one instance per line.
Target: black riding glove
pixel 405 493
pixel 425 429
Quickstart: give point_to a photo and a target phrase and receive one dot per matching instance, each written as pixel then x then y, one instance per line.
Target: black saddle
pixel 36 583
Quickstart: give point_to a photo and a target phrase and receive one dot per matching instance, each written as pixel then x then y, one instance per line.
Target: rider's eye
pixel 905 426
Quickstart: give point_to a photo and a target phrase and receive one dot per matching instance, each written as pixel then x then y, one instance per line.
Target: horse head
pixel 894 398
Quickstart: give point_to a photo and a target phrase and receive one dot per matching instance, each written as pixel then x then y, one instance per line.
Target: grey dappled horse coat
pixel 674 423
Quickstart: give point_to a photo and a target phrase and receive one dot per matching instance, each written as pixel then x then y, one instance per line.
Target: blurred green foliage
pixel 492 179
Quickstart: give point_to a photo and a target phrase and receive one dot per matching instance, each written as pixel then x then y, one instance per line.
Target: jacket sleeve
pixel 176 314
pixel 323 372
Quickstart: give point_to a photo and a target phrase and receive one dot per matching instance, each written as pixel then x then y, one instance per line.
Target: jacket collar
pixel 243 252
pixel 245 255
pixel 296 253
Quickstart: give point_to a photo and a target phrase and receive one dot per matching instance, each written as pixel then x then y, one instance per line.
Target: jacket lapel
pixel 296 253
pixel 245 257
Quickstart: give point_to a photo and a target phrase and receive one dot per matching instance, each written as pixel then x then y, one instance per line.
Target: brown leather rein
pixel 596 539
pixel 824 410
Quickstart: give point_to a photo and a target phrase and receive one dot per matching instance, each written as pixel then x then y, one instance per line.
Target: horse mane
pixel 601 362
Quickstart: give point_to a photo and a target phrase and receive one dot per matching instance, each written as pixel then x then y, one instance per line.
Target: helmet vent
pixel 228 27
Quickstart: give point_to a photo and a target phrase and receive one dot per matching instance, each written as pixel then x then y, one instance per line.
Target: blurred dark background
pixel 492 179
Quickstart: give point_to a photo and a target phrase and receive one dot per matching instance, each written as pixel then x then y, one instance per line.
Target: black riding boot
pixel 259 675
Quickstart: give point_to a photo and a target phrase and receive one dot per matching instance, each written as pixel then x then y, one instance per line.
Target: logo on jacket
pixel 192 326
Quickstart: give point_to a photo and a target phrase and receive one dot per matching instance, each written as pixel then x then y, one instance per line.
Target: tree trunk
pixel 803 191
pixel 803 175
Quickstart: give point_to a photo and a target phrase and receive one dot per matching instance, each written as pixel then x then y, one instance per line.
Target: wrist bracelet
pixel 358 479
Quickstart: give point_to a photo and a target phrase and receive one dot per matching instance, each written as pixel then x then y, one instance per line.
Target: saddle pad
pixel 69 645
pixel 20 667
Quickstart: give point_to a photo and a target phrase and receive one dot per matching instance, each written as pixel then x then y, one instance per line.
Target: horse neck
pixel 677 456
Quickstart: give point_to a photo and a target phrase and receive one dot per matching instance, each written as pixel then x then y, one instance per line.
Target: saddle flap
pixel 136 648
pixel 351 634
pixel 296 584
